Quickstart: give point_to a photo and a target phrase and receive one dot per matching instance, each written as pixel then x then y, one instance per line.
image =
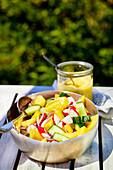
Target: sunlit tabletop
pixel 98 156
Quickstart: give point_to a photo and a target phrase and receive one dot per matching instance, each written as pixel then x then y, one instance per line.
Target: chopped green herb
pixel 64 94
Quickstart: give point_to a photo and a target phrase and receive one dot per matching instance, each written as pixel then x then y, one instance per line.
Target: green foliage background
pixel 64 30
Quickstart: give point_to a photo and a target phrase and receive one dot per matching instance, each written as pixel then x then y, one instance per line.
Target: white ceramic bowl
pixel 59 151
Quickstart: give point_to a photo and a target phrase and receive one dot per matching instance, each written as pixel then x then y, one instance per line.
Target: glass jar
pixel 75 76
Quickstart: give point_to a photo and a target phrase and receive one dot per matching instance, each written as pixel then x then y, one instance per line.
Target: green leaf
pixel 64 94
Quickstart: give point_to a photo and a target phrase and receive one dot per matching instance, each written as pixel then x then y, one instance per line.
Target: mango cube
pixel 36 114
pixel 44 140
pixel 39 100
pixel 69 128
pixel 81 131
pixel 26 123
pixel 64 101
pixel 34 134
pixel 55 104
pixel 93 122
pixel 56 96
pixel 59 103
pixel 18 122
pixel 48 124
pixel 70 135
pixel 59 114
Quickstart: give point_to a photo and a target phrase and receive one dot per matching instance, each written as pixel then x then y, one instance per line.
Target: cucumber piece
pixel 79 125
pixel 81 108
pixel 55 128
pixel 31 109
pixel 59 137
pixel 42 110
pixel 49 100
pixel 81 119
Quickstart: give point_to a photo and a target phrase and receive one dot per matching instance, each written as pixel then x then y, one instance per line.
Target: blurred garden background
pixel 65 30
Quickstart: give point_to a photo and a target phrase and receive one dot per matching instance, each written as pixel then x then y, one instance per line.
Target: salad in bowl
pixel 56 126
pixel 56 119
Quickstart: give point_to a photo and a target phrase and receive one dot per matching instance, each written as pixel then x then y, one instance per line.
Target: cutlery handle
pixel 7 127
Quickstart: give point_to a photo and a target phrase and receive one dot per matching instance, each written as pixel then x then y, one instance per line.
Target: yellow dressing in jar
pixel 75 76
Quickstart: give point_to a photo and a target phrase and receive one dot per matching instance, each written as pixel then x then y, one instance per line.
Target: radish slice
pixel 45 121
pixel 41 129
pixel 71 100
pixel 45 135
pixel 50 114
pixel 31 126
pixel 37 120
pixel 56 119
pixel 67 120
pixel 89 114
pixel 66 112
pixel 73 113
pixel 54 141
pixel 43 117
pixel 61 124
pixel 74 109
pixel 50 140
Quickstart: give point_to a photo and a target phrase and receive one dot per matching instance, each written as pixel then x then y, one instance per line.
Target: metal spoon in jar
pixel 15 113
pixel 57 67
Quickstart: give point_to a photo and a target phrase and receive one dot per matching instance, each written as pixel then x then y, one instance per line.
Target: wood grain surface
pixel 12 158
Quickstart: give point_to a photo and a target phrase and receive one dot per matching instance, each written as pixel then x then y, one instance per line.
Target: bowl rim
pixel 56 143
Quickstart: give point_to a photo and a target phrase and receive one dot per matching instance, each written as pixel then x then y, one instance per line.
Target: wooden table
pixel 98 156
